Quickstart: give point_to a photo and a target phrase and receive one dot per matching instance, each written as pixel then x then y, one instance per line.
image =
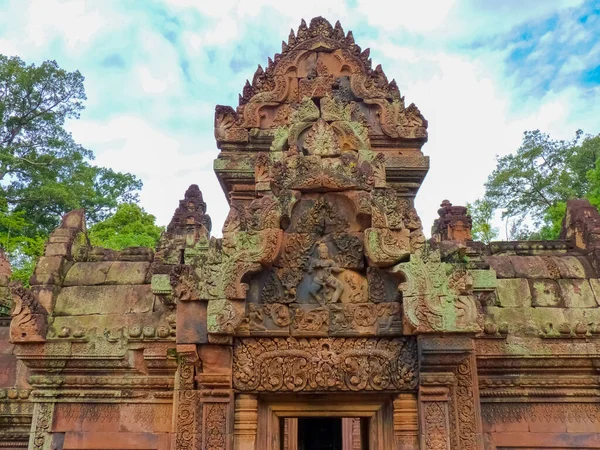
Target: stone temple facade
pixel 323 318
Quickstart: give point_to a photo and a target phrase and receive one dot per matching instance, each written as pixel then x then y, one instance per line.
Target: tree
pixel 44 173
pixel 130 226
pixel 482 214
pixel 532 186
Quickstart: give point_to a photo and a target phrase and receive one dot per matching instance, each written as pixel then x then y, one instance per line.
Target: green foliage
pixel 44 173
pixel 532 186
pixel 130 226
pixel 482 213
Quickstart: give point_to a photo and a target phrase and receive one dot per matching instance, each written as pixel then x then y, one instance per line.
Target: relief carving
pixel 324 364
pixel 29 319
pixel 438 296
pixel 325 287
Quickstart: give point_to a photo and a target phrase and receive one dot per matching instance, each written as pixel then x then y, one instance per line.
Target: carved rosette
pixel 324 364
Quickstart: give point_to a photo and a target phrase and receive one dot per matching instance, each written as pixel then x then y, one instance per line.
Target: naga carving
pixel 29 319
pixel 438 297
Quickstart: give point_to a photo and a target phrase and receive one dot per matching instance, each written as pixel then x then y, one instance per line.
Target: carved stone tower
pixel 322 318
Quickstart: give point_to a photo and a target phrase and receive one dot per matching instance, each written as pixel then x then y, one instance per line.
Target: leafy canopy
pixel 129 226
pixel 482 214
pixel 44 173
pixel 534 184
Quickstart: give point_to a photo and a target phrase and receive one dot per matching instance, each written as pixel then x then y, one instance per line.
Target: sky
pixel 481 72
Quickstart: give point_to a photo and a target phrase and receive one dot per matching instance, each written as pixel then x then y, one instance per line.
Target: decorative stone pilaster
pixel 449 408
pixel 246 421
pixel 187 433
pixel 406 424
pixel 41 427
pixel 216 397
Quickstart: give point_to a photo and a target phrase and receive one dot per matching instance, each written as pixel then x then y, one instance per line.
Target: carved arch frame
pixel 378 408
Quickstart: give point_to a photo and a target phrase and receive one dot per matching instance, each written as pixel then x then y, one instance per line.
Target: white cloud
pixel 476 109
pixel 419 17
pixel 166 163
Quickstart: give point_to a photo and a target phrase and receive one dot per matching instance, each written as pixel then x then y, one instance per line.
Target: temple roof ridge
pixel 320 35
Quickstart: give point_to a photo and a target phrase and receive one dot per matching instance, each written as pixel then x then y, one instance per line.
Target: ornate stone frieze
pixel 549 413
pixel 324 364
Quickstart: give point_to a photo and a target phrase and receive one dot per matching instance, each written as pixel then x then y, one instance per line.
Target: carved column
pixel 406 425
pixel 41 427
pixel 187 433
pixel 246 420
pixel 449 408
pixel 216 397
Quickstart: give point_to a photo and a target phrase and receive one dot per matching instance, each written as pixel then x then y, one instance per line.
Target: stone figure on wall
pixel 326 288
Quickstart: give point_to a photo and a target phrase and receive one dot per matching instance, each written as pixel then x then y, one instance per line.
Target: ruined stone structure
pixel 323 318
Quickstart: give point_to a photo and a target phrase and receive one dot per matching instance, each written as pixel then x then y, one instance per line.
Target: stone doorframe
pixel 392 418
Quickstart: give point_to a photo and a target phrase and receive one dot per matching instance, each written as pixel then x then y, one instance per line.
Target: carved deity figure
pixel 326 288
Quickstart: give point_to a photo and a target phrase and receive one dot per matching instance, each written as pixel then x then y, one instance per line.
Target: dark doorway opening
pixel 320 433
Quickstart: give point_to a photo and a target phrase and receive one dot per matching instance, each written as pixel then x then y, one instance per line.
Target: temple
pixel 323 319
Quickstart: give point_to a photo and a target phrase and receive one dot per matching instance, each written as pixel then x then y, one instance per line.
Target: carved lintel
pixel 324 364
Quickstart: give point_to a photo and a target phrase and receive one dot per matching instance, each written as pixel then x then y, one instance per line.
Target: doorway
pixel 320 433
pixel 324 433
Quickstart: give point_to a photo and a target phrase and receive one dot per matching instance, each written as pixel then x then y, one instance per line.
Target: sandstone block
pixel 216 358
pixel 514 292
pixel 577 294
pixel 46 295
pixel 502 265
pixel 115 299
pixel 191 323
pixel 595 285
pixel 87 273
pixel 569 266
pixel 545 293
pixel 124 272
pixel 50 270
pixel 483 279
pixel 530 267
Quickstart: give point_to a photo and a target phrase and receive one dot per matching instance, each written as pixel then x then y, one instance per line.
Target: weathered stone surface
pixel 79 300
pixel 87 273
pixel 484 279
pixel 502 265
pixel 577 294
pixel 595 285
pixel 545 293
pixel 530 267
pixel 50 270
pixel 191 323
pixel 123 272
pixel 569 266
pixel 514 293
